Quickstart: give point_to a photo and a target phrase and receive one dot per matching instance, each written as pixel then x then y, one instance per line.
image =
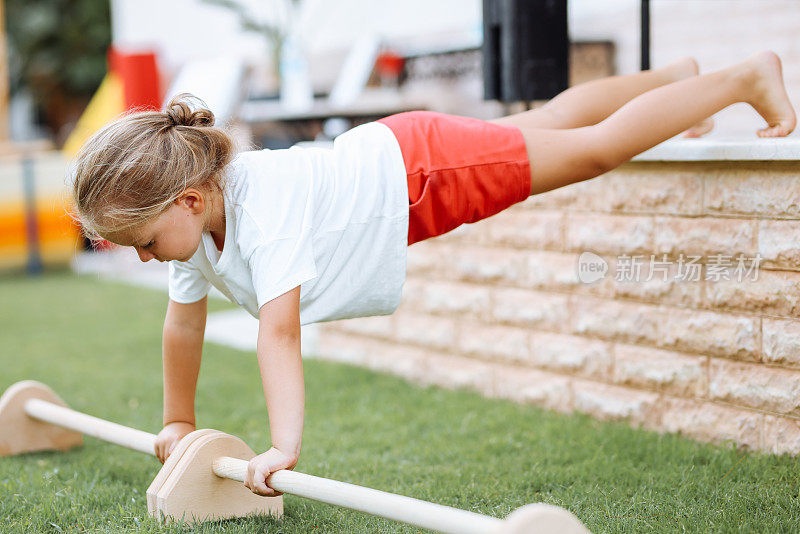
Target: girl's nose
pixel 144 255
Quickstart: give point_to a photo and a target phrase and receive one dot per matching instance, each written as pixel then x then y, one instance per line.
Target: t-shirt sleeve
pixel 280 265
pixel 186 283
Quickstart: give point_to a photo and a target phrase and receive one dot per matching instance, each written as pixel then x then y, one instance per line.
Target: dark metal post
pixel 525 49
pixel 34 265
pixel 645 24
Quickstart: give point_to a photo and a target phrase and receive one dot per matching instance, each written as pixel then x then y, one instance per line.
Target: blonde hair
pixel 131 170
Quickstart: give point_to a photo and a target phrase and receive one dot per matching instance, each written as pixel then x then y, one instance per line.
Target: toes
pixel 778 129
pixel 774 131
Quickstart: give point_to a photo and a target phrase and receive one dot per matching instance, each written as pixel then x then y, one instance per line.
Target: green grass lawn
pixel 98 345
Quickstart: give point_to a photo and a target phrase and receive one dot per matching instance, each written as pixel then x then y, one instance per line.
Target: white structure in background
pixel 239 330
pixel 185 30
pixel 181 31
pixel 218 81
pixel 297 93
pixel 355 71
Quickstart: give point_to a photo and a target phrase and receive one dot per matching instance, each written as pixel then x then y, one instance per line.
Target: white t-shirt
pixel 331 220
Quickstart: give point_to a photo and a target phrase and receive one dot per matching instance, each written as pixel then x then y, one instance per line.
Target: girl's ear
pixel 192 199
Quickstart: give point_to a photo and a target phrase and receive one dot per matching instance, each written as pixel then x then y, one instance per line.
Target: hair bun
pixel 180 113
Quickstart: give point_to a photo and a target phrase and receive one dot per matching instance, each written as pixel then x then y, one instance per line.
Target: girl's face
pixel 173 235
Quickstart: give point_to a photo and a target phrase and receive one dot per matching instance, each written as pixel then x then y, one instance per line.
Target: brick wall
pixel 498 306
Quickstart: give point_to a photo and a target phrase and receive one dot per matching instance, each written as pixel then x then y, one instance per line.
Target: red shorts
pixel 460 170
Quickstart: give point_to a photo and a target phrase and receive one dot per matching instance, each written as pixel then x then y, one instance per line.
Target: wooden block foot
pixel 542 518
pixel 20 433
pixel 170 464
pixel 191 492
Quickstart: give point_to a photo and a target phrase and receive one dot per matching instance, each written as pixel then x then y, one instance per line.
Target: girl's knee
pixel 601 153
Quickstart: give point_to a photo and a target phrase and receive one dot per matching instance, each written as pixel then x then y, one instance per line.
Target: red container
pixel 139 75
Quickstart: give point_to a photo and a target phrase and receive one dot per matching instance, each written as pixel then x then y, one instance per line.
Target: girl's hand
pixel 262 466
pixel 168 438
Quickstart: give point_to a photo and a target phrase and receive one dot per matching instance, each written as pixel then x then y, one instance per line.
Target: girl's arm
pixel 184 328
pixel 281 368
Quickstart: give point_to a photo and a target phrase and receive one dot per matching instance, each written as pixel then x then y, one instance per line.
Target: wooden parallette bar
pixel 408 510
pixel 201 480
pixel 91 426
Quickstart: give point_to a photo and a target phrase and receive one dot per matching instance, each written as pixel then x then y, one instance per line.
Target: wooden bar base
pixel 541 517
pixel 20 433
pixel 185 489
pixel 190 491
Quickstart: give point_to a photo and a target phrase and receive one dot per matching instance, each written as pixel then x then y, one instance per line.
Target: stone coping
pixel 712 149
pixel 724 149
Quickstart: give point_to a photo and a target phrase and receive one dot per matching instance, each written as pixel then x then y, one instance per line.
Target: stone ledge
pixel 724 149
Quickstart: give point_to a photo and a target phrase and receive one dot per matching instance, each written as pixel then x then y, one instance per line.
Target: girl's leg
pixel 561 157
pixel 591 102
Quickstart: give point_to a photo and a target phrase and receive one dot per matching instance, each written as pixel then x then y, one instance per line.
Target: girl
pixel 304 235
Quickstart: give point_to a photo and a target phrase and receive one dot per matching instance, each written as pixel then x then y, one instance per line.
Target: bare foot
pixel 678 70
pixel 768 95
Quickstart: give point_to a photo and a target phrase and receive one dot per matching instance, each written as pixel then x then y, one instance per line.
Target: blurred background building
pixel 286 71
pixel 281 72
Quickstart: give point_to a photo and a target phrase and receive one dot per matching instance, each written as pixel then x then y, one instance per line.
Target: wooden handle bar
pixel 91 426
pixel 415 512
pixel 408 510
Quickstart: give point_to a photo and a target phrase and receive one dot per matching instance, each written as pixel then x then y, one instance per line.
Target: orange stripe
pixel 53 223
